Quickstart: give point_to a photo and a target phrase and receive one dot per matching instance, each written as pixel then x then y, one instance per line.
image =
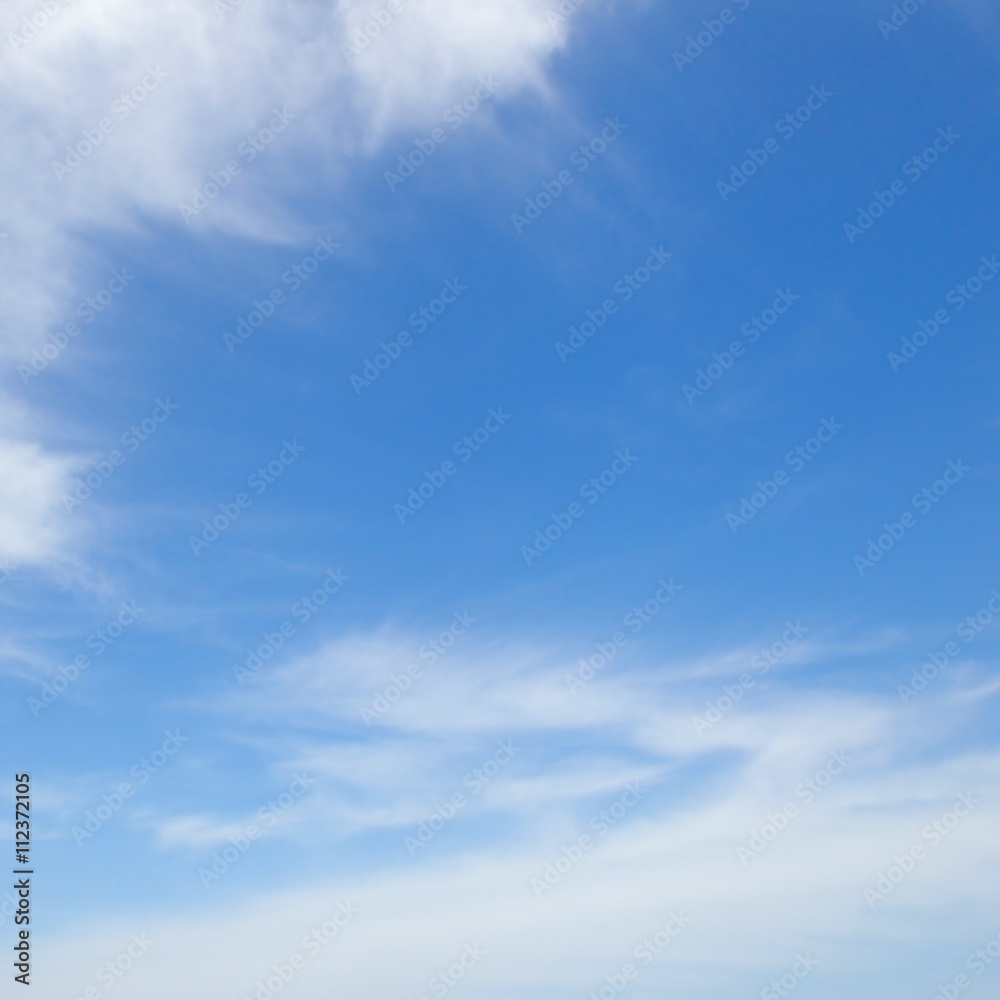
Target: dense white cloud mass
pixel 123 112
pixel 34 528
pixel 116 115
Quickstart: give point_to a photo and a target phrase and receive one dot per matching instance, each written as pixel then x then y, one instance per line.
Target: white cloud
pixel 203 83
pixel 632 722
pixel 675 849
pixel 675 853
pixel 35 529
pixel 151 101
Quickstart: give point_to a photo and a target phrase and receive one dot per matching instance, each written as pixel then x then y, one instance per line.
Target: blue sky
pixel 655 574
